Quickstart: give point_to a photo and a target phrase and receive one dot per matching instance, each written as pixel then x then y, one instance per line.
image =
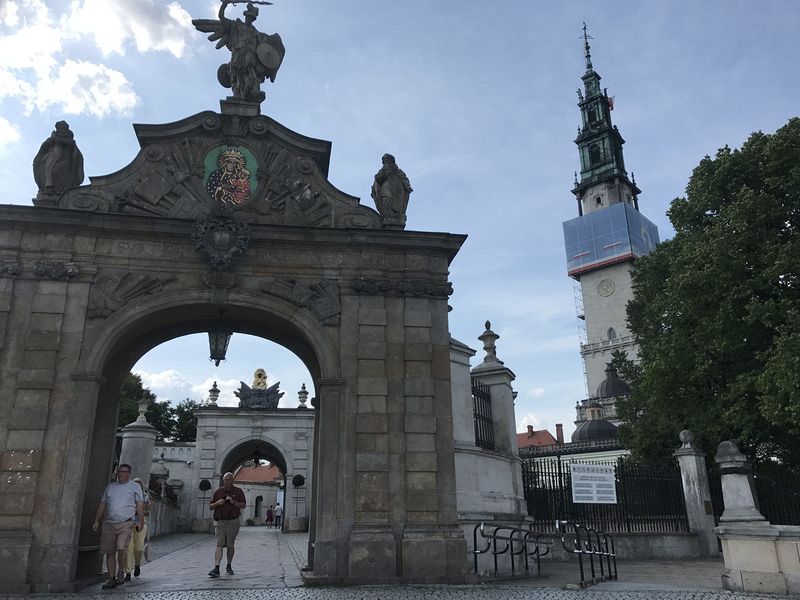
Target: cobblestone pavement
pixel 267 565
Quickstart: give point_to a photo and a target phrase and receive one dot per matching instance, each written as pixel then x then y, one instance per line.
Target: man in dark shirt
pixel 226 503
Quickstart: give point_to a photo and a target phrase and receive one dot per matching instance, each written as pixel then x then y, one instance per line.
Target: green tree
pixel 185 422
pixel 159 414
pixel 716 309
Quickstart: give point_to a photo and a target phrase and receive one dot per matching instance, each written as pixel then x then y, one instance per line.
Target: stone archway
pixel 284 437
pixel 90 282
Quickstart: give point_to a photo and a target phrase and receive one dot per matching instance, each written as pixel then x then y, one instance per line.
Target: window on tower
pixel 598 200
pixel 595 154
pixel 612 335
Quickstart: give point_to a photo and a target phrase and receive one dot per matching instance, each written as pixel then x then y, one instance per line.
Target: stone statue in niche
pixel 254 55
pixel 259 396
pixel 390 191
pixel 58 165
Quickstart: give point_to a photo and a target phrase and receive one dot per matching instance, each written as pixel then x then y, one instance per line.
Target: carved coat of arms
pixel 221 239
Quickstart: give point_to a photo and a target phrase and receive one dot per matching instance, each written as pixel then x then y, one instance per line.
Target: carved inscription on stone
pixel 113 289
pixel 45 269
pixel 424 288
pixel 322 297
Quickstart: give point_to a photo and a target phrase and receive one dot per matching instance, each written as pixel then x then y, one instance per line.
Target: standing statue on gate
pixel 58 165
pixel 391 190
pixel 254 55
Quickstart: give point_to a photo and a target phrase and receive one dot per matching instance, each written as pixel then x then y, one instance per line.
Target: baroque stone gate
pixel 227 220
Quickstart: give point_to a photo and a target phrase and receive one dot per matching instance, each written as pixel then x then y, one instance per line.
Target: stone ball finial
pixel 687 438
pixel 488 325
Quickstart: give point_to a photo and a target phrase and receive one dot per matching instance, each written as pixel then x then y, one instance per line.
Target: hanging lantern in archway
pixel 218 340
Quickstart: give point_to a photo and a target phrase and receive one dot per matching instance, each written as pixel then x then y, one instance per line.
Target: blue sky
pixel 475 99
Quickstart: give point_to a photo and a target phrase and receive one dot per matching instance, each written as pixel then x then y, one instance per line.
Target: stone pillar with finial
pixel 213 395
pixel 697 493
pixel 499 378
pixel 302 397
pixel 138 441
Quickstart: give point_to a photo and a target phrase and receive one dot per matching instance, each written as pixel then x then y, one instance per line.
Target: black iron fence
pixel 776 492
pixel 482 413
pixel 649 498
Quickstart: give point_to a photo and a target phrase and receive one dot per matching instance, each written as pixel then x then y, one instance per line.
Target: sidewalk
pixel 262 560
pixel 266 565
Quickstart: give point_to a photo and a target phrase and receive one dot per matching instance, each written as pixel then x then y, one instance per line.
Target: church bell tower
pixel 605 238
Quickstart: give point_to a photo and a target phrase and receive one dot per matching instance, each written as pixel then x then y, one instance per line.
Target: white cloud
pixel 530 418
pixel 113 24
pixel 34 70
pixel 226 388
pixel 168 385
pixel 8 133
pixel 8 13
pixel 84 87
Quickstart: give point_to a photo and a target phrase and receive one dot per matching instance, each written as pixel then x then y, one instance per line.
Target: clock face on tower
pixel 605 287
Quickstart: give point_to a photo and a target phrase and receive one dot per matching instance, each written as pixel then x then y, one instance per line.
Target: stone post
pixel 737 491
pixel 138 440
pixel 759 557
pixel 696 493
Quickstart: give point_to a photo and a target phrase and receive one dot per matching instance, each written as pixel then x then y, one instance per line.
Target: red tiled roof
pixel 259 474
pixel 537 437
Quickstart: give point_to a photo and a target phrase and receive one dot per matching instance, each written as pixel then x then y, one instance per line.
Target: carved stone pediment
pixel 193 168
pixel 321 297
pixel 113 288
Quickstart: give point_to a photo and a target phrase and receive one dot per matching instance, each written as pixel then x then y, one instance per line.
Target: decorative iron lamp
pixel 218 340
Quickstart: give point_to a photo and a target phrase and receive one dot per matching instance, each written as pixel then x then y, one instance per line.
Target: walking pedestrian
pixel 120 503
pixel 138 537
pixel 277 512
pixel 270 515
pixel 227 503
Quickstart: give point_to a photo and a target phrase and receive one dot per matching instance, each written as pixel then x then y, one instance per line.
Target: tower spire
pixel 586 48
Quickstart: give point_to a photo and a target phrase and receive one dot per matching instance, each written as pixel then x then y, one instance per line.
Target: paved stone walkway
pixel 267 565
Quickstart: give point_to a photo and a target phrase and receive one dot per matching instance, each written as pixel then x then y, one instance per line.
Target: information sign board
pixel 593 484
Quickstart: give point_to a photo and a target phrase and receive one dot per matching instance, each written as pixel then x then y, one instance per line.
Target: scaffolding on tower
pixel 581 320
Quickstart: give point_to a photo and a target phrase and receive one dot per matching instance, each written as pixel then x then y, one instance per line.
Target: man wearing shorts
pixel 226 503
pixel 121 501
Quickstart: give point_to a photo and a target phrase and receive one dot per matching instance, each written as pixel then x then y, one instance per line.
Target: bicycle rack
pixel 512 540
pixel 590 542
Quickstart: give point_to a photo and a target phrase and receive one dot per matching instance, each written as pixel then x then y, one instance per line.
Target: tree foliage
pixel 716 309
pixel 174 424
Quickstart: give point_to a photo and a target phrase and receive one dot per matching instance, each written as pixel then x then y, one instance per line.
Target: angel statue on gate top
pixel 254 55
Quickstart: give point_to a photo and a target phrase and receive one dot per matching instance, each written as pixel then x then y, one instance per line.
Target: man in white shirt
pixel 121 501
pixel 278 512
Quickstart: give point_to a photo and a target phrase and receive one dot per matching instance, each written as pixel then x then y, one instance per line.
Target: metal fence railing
pixel 482 414
pixel 649 498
